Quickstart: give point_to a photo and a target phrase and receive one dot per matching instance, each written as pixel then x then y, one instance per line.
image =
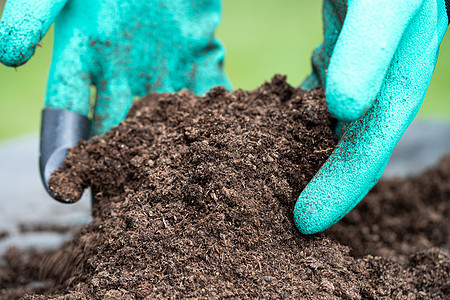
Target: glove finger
pixel 363 52
pixel 333 15
pixel 24 23
pixel 112 104
pixel 208 71
pixel 70 77
pixel 65 118
pixel 367 143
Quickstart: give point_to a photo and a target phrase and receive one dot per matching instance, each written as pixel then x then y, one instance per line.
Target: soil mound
pixel 195 199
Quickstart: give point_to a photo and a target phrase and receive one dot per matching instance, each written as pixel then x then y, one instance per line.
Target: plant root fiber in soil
pixel 195 200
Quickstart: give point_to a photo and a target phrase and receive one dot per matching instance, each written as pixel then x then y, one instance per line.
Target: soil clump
pixel 195 199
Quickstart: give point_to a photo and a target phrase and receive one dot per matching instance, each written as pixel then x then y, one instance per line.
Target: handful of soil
pixel 195 199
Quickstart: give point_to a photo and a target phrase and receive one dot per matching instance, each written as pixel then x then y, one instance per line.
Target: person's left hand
pixel 381 58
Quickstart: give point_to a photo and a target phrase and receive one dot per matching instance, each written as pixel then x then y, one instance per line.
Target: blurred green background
pixel 262 37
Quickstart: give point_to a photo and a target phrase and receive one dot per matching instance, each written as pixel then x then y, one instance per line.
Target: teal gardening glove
pixel 123 48
pixel 375 63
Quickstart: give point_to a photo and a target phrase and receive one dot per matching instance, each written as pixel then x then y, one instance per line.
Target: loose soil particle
pixel 195 199
pixel 3 234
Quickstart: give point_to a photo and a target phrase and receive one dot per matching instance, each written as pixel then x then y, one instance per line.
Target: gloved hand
pixel 375 63
pixel 123 48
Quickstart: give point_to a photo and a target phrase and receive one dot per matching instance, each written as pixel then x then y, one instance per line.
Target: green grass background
pixel 262 37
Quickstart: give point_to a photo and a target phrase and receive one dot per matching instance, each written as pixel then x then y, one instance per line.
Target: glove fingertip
pixel 309 218
pixel 16 47
pixel 346 101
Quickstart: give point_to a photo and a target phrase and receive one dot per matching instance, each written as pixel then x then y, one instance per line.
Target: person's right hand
pixel 375 64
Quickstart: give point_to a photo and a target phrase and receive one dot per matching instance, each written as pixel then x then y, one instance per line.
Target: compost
pixel 195 197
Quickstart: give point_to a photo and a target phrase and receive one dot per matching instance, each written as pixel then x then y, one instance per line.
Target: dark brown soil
pixel 195 199
pixel 401 217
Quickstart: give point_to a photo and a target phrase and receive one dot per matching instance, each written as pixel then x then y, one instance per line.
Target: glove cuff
pixel 60 130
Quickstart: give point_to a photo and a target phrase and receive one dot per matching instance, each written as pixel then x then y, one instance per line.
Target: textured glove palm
pixel 375 63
